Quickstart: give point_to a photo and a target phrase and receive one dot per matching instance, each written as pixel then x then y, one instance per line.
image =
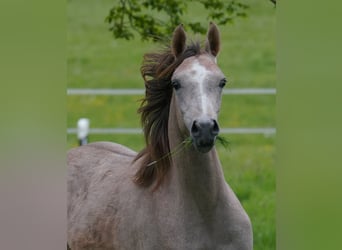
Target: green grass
pixel 97 60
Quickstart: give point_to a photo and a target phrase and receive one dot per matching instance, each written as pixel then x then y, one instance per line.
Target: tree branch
pixel 135 15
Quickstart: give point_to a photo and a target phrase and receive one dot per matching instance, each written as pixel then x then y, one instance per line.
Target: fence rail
pixel 100 131
pixel 236 91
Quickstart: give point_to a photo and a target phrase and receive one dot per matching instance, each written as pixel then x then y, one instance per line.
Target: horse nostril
pixel 216 128
pixel 195 129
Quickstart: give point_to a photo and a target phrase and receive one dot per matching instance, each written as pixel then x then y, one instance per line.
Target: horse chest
pixel 173 228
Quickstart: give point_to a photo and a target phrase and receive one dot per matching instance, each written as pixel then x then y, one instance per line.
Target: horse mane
pixel 157 70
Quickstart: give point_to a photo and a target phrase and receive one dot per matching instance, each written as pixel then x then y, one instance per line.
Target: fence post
pixel 82 131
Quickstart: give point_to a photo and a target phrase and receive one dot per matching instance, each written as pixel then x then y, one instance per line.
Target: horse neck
pixel 196 174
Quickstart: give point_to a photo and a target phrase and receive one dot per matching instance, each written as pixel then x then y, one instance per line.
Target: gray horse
pixel 159 198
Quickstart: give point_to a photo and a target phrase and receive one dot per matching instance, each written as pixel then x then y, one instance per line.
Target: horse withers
pixel 159 198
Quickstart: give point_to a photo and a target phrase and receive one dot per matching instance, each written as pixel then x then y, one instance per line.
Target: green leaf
pixel 155 19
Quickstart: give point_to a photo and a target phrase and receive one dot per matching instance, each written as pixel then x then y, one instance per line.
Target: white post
pixel 82 131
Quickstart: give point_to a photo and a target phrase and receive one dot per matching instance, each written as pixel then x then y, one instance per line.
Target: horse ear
pixel 212 44
pixel 178 41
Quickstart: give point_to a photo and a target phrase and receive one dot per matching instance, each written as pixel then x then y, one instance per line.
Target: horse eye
pixel 223 82
pixel 175 84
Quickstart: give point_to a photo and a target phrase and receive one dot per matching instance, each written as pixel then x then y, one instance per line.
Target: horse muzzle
pixel 203 133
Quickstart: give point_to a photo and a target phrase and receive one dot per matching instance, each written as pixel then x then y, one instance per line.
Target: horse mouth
pixel 203 146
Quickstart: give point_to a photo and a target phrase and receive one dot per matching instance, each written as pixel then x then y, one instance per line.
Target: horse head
pixel 198 84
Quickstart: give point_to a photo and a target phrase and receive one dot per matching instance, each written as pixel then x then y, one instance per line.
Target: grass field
pixel 97 60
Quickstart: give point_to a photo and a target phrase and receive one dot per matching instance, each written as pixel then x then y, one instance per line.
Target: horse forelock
pixel 157 70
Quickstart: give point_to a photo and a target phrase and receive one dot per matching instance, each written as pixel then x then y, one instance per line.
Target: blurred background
pixel 96 60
